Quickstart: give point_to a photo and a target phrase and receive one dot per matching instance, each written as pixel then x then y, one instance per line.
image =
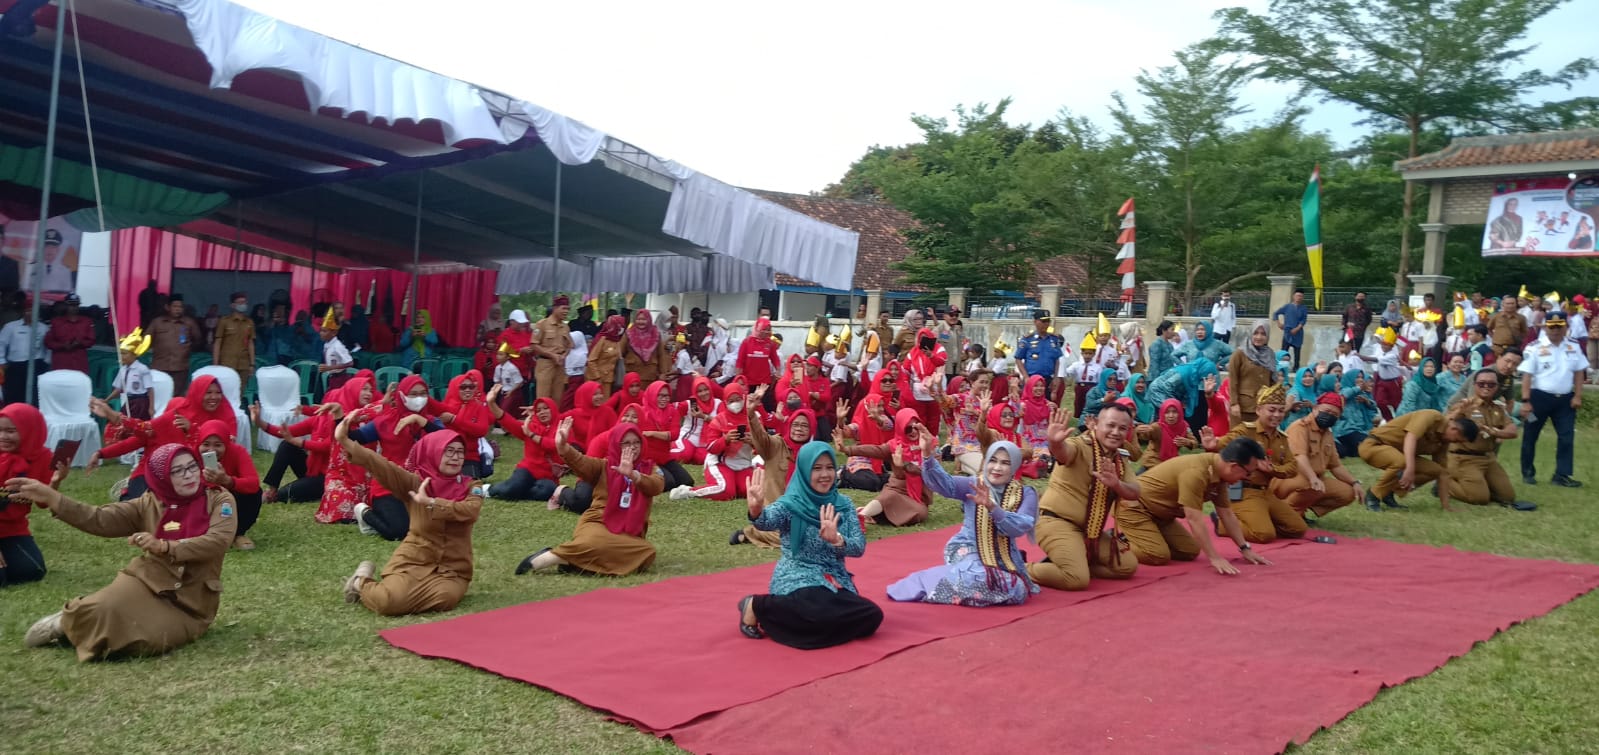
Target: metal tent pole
pixel 555 269
pixel 30 394
pixel 416 248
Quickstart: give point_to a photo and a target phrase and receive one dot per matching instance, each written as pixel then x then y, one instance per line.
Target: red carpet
pixel 686 657
pixel 1195 662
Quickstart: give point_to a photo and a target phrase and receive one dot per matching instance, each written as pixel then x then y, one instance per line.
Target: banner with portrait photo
pixel 59 267
pixel 1542 217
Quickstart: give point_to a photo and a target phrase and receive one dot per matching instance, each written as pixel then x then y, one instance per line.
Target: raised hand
pixel 1060 426
pixel 829 529
pixel 757 394
pixel 563 431
pixel 899 455
pixel 985 401
pixel 494 393
pixel 839 438
pixel 181 422
pixel 624 466
pixel 420 496
pixel 59 475
pixel 1108 477
pixel 255 414
pixel 1210 384
pixel 926 441
pixel 755 495
pixel 842 410
pixel 33 491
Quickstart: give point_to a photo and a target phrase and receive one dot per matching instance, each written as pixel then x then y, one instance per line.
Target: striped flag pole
pixel 1128 254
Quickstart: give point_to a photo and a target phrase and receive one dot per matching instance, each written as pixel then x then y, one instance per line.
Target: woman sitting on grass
pixel 432 567
pixel 812 601
pixel 167 596
pixel 609 537
pixel 22 454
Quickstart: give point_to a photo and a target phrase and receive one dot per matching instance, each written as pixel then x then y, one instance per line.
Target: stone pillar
pixel 1432 261
pixel 957 297
pixel 1049 298
pixel 1159 302
pixel 1437 285
pixel 874 305
pixel 1282 292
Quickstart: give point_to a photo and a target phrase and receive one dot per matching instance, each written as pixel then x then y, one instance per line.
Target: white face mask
pixel 241 308
pixel 416 403
pixel 735 406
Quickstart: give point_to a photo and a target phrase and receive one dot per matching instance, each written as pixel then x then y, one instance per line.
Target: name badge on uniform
pixel 1543 352
pixel 626 500
pixel 171 527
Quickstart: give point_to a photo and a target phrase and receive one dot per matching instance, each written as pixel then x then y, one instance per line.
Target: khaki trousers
pixel 1479 480
pixel 1155 541
pixel 1302 497
pixel 1392 463
pixel 1068 567
pixel 1265 517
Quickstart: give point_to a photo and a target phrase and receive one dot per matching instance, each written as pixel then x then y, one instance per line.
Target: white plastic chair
pixel 228 378
pixel 161 386
pixel 278 390
pixel 64 401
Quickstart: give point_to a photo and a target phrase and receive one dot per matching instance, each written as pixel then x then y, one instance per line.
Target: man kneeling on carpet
pixel 983 564
pixel 1396 449
pixel 432 567
pixel 1178 488
pixel 813 602
pixel 1091 473
pixel 609 537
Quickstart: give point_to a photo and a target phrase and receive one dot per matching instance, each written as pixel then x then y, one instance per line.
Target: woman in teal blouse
pixel 813 602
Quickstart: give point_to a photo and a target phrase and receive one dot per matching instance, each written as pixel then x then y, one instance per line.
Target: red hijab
pixel 194 409
pixel 794 448
pixel 424 462
pixel 612 329
pixel 706 406
pixel 31 459
pixel 634 518
pixel 588 419
pixel 643 339
pixel 395 409
pixel 624 396
pixel 1170 431
pixel 996 424
pixel 1035 409
pixel 910 451
pixel 235 460
pixel 656 419
pixel 922 361
pixel 191 514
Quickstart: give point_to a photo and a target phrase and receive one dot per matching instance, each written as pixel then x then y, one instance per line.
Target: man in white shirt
pixel 22 341
pixel 1387 390
pixel 1223 317
pixel 336 359
pixel 1552 370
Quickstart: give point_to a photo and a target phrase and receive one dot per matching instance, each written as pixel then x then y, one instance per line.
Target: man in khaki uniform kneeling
pixel 1262 514
pixel 1091 473
pixel 1178 489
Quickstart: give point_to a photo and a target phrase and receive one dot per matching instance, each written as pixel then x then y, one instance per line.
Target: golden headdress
pixel 136 343
pixel 1387 335
pixel 1276 393
pixel 329 322
pixel 1089 343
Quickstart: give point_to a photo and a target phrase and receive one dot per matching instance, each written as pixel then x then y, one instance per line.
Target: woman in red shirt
pixel 22 454
pixel 660 422
pixel 758 360
pixel 534 478
pixel 236 475
pixel 466 411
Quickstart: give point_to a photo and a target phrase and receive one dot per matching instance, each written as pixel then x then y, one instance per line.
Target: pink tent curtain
pixel 457 301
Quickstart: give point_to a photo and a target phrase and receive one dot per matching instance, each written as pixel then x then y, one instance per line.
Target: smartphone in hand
pixel 211 461
pixel 65 451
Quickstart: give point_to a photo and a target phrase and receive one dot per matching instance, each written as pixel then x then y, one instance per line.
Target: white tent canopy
pixel 656 274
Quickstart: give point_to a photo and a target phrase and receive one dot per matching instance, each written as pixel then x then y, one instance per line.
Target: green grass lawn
pixel 289 666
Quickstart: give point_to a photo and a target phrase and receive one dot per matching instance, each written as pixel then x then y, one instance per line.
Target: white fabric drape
pixel 655 274
pixel 236 39
pixel 740 224
pixel 571 141
pixel 64 401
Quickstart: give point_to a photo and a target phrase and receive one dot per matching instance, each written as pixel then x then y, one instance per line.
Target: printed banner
pixel 59 267
pixel 1542 217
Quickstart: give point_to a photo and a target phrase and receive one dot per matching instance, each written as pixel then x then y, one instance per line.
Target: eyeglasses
pixel 187 470
pixel 454 453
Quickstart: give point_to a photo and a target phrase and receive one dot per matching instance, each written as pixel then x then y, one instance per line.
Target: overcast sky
pixel 785 96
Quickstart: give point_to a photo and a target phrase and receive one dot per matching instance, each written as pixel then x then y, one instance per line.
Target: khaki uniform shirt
pixel 171 341
pixel 234 335
pixel 1317 445
pixel 1427 423
pixel 1277 452
pixel 553 335
pixel 1067 494
pixel 1178 483
pixel 1486 416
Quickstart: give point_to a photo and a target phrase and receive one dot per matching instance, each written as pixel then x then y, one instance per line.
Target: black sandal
pixel 752 631
pixel 527 563
pixel 737 538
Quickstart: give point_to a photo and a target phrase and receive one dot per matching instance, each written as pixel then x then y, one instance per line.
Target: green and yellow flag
pixel 1310 210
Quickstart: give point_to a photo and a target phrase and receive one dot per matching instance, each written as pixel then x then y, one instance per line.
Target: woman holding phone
pixel 228 467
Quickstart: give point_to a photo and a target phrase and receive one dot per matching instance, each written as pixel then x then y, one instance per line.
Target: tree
pixel 990 198
pixel 1180 136
pixel 1410 64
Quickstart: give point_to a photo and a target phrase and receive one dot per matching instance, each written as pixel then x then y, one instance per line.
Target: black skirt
pixel 816 617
